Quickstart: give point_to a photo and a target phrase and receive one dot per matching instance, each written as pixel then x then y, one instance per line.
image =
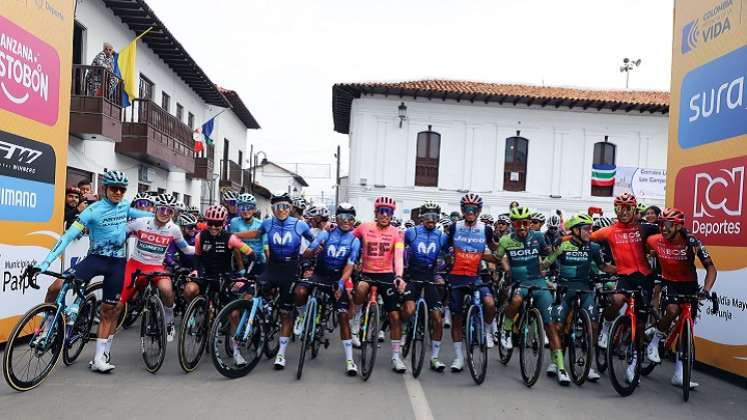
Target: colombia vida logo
pixel 29 75
pixel 702 30
pixel 713 200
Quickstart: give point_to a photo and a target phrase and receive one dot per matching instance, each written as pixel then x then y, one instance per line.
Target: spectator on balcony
pixel 72 200
pixel 104 59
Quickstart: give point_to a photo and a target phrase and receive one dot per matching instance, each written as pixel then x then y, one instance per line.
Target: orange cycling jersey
pixel 382 250
pixel 627 244
pixel 677 258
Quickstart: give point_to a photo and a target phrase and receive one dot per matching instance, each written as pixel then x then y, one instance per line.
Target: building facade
pixel 437 140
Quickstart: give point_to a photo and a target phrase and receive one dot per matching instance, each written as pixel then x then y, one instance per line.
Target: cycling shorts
pixel 431 291
pixel 456 298
pixel 132 266
pixel 386 290
pixel 677 288
pixel 543 299
pixel 342 304
pixel 560 312
pixel 632 281
pixel 112 268
pixel 282 277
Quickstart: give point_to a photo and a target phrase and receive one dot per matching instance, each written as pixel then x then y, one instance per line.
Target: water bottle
pixel 71 312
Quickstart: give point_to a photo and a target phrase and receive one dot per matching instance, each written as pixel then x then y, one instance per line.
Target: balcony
pixel 204 163
pixel 95 111
pixel 150 134
pixel 232 179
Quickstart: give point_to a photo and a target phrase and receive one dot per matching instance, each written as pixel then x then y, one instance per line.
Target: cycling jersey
pixel 523 255
pixel 469 243
pixel 152 241
pixel 213 253
pixel 238 224
pixel 677 257
pixel 381 249
pixel 340 249
pixel 575 260
pixel 626 242
pixel 174 257
pixel 423 248
pixel 284 238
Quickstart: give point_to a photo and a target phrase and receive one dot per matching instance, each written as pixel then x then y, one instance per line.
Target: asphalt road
pixel 326 393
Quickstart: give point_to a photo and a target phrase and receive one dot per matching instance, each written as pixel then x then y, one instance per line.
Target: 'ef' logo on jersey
pixel 281 240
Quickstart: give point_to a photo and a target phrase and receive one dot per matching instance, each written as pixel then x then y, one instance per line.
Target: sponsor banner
pixel 644 183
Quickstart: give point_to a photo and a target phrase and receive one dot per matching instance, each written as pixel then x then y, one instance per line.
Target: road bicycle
pixel 152 322
pixel 369 329
pixel 576 335
pixel 316 318
pixel 417 330
pixel 475 328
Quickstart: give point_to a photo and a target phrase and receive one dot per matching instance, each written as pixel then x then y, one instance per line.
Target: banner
pixel 707 158
pixel 644 183
pixel 35 74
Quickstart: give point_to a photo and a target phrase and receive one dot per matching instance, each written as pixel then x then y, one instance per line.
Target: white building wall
pixel 276 179
pixel 382 155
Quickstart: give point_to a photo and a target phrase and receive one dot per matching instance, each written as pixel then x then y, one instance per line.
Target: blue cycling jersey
pixel 284 237
pixel 238 224
pixel 340 248
pixel 423 248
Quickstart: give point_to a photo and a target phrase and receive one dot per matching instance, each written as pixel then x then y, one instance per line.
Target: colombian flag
pixel 124 67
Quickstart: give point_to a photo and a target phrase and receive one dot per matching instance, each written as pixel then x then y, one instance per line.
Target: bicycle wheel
pixel 622 354
pixel 418 338
pixel 221 339
pixel 601 358
pixel 153 334
pixel 687 356
pixel 408 329
pixel 579 347
pixel 504 354
pixel 307 337
pixel 78 335
pixel 369 340
pixel 132 313
pixel 272 332
pixel 28 358
pixel 531 346
pixel 193 334
pixel 648 366
pixel 96 289
pixel 477 348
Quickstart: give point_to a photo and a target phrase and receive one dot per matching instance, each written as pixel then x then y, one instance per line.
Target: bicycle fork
pixel 371 300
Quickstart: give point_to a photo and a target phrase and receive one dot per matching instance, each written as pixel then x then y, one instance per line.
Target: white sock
pixel 100 348
pixel 396 348
pixel 606 326
pixel 234 344
pixel 283 345
pixel 435 349
pixel 447 315
pixel 459 349
pixel 169 311
pixel 347 345
pixel 109 344
pixel 678 367
pixel 494 325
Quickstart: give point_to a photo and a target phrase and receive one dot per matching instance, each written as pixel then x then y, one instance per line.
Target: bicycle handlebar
pixel 149 275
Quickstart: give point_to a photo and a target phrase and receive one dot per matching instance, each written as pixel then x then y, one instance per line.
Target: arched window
pixel 426 162
pixel 515 166
pixel 604 162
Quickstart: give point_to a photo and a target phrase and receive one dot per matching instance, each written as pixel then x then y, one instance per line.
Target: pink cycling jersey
pixel 382 250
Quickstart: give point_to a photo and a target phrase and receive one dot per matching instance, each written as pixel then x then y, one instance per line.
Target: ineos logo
pixel 732 190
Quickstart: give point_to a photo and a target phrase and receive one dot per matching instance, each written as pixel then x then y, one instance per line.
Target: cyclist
pixel 284 235
pixel 229 202
pixel 553 234
pixel 214 249
pixel 299 207
pixel 575 258
pixel 143 201
pixel 424 243
pixel 396 222
pixel 522 250
pixel 487 219
pixel 340 250
pixel 501 225
pixel 153 237
pixel 179 208
pixel 675 249
pixel 382 260
pixel 106 221
pixel 641 211
pixel 469 240
pixel 536 220
pixel 246 204
pixel 651 215
pixel 176 260
pixel 194 211
pixel 455 216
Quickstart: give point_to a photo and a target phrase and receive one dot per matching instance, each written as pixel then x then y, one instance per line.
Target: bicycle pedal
pixel 326 343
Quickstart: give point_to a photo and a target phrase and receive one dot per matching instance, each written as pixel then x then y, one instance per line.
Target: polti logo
pixel 715 22
pixel 712 197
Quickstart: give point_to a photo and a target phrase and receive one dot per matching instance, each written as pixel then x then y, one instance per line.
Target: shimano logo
pixel 18 154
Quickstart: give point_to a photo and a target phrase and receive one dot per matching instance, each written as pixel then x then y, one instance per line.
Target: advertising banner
pixel 35 67
pixel 707 156
pixel 644 183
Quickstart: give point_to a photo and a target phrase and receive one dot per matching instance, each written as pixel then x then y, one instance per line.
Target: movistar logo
pixel 281 240
pixel 333 251
pixel 426 249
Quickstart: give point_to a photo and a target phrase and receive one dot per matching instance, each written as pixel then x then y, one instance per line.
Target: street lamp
pixel 628 66
pixel 402 108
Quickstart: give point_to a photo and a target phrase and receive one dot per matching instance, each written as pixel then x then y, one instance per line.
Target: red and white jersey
pixel 152 241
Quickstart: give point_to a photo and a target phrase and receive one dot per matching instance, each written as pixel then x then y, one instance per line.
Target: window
pixel 74 176
pixel 191 120
pixel 146 88
pixel 604 157
pixel 175 195
pixel 426 161
pixel 142 187
pixel 226 145
pixel 187 200
pixel 165 101
pixel 179 112
pixel 515 166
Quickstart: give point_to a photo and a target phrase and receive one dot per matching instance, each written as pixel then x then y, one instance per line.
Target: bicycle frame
pixel 68 284
pixel 685 316
pixel 372 295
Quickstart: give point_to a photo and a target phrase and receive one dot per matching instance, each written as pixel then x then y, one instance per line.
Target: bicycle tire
pixel 648 366
pixel 18 338
pixel 533 321
pixel 220 341
pixel 409 330
pixel 579 347
pixel 272 325
pixel 97 289
pixel 80 332
pixel 620 341
pixel 369 340
pixel 687 356
pixel 419 333
pixel 153 331
pixel 475 340
pixel 197 329
pixel 307 337
pixel 600 355
pixel 504 354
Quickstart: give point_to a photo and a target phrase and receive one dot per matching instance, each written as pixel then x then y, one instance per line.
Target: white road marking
pixel 418 401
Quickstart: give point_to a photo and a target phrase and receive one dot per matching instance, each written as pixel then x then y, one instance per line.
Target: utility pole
pixel 251 165
pixel 628 66
pixel 337 179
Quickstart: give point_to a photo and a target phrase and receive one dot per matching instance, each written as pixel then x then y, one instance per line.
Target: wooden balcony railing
pixel 205 163
pixel 95 103
pixel 231 178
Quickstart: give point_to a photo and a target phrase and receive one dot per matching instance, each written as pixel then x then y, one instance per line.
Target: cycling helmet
pixel 312 211
pixel 487 219
pixel 445 222
pixel 471 199
pixel 519 213
pixel 581 219
pixel 142 196
pixel 180 207
pixel 537 217
pixel 299 203
pixel 553 221
pixel 672 215
pixel 345 208
pixel 384 201
pixel 626 199
pixel 229 195
pixel 409 224
pixel 165 200
pixel 216 212
pixel 246 199
pixel 280 196
pixel 430 207
pixel 641 208
pixel 194 210
pixel 115 178
pixel 323 213
pixel 186 219
pixel 395 222
pixel 503 219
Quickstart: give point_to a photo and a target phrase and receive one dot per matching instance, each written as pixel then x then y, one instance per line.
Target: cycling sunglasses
pixel 215 223
pixel 519 224
pixel 247 207
pixel 585 228
pixel 470 209
pixel 385 211
pixel 624 207
pixel 142 203
pixel 430 217
pixel 164 211
pixel 345 217
pixel 230 202
pixel 189 226
pixel 667 224
pixel 281 206
pixel 117 189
